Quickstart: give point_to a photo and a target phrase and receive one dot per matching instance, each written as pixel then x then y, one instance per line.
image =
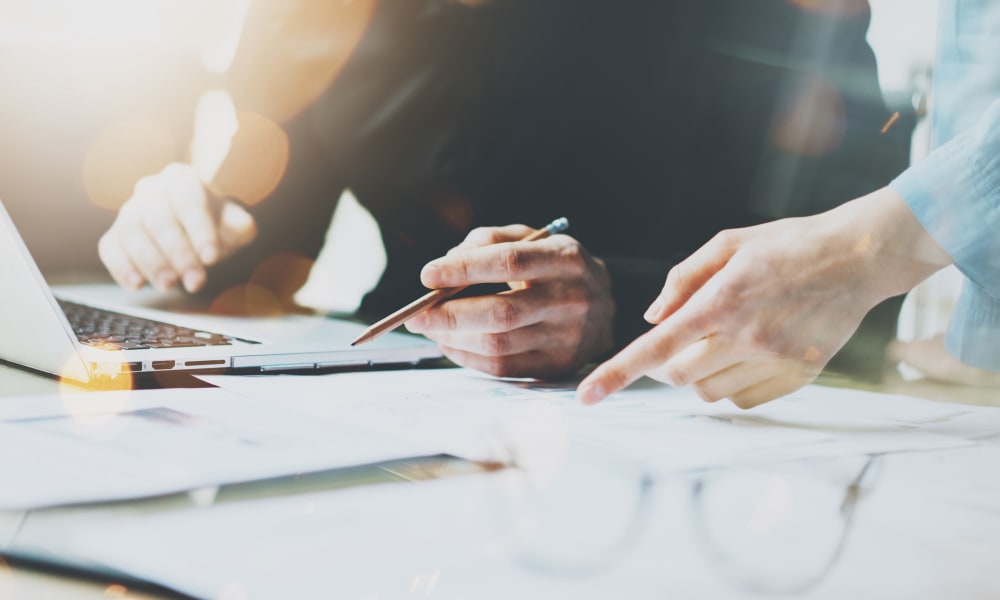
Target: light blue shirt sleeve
pixel 955 192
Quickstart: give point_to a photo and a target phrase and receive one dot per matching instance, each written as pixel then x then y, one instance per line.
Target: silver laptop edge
pixel 37 334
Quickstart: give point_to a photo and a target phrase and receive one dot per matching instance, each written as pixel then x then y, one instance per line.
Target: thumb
pixel 688 276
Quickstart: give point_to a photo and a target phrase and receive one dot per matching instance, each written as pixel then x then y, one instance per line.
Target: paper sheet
pixel 459 537
pixel 455 539
pixel 661 428
pixel 446 539
pixel 461 411
pixel 113 445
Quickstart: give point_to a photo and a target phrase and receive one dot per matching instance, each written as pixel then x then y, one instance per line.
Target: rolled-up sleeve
pixel 955 194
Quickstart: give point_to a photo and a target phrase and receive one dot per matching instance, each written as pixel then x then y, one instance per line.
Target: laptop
pixel 83 333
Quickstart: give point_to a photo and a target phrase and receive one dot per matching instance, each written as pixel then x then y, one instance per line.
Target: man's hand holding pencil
pixel 557 316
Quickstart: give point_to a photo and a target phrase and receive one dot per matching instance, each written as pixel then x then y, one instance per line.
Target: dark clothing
pixel 650 124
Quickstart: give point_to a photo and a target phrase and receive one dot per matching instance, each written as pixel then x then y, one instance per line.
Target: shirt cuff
pixel 955 194
pixel 973 335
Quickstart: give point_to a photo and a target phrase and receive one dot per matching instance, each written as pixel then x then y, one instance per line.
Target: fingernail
pixel 193 281
pixel 654 310
pixel 135 281
pixel 209 255
pixel 431 275
pixel 591 393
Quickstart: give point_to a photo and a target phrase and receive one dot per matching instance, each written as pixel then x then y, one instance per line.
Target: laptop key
pixel 115 331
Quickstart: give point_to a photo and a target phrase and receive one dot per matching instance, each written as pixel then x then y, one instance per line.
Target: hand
pixel 930 357
pixel 558 314
pixel 758 312
pixel 170 230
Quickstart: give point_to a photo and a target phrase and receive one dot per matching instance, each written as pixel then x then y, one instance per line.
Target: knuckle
pixel 177 169
pixel 706 393
pixel 105 246
pixel 483 236
pixel 759 336
pixel 456 271
pixel 674 273
pixel 447 319
pixel 742 402
pixel 498 367
pixel 677 275
pixel 661 347
pixel 152 217
pixel 132 240
pixel 510 262
pixel 715 311
pixel 613 378
pixel 504 314
pixel 577 300
pixel 495 344
pixel 128 214
pixel 169 239
pixel 678 375
pixel 572 253
pixel 727 238
pixel 145 187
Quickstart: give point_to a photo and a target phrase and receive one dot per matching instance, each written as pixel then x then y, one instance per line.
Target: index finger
pixel 641 356
pixel 190 202
pixel 486 236
pixel 500 263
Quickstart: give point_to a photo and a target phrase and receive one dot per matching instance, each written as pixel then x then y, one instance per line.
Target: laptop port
pixel 163 365
pixel 132 367
pixel 204 363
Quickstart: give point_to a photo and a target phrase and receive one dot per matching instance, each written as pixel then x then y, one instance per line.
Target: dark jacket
pixel 650 124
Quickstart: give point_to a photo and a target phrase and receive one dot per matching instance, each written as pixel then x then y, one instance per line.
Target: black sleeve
pixel 782 117
pixel 635 284
pixel 292 224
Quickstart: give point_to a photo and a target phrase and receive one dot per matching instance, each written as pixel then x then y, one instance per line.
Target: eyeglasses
pixel 776 529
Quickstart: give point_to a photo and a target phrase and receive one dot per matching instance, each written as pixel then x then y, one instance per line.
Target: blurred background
pixel 98 94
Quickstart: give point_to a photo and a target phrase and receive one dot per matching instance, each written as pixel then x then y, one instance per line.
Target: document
pixel 617 481
pixel 654 426
pixel 116 445
pixel 463 412
pixel 486 537
pixel 446 539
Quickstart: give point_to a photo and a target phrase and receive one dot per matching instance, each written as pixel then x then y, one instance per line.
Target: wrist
pixel 893 250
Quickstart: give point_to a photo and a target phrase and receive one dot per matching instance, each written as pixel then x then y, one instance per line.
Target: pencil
pixel 430 299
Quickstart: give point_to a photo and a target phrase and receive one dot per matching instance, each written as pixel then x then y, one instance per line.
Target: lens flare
pixel 246 301
pixel 93 415
pixel 255 162
pixel 283 275
pixel 841 8
pixel 291 52
pixel 121 155
pixel 812 121
pixel 109 378
pixel 215 124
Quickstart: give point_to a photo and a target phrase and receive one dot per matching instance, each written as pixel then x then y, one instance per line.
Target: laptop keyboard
pixel 115 331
